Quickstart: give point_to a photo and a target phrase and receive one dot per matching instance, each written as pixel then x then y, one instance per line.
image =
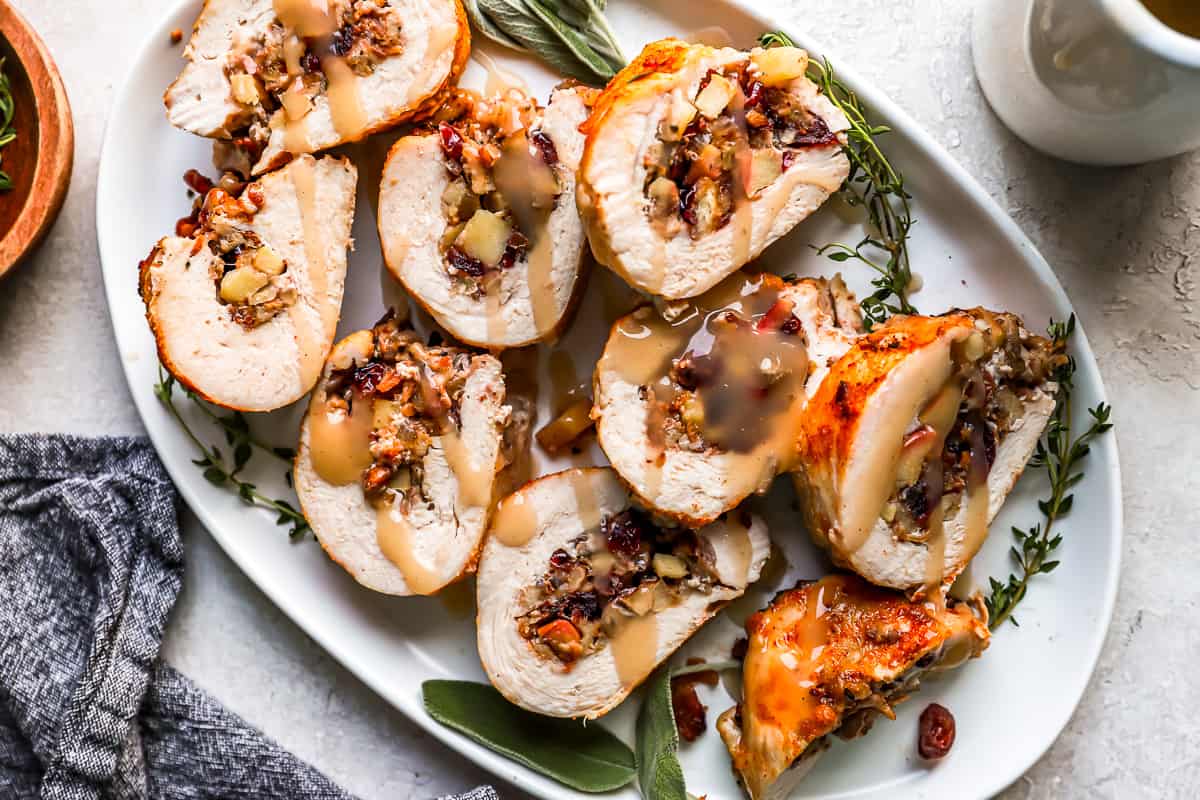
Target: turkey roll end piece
pixel 398 456
pixel 829 657
pixel 478 219
pixel 278 78
pixel 914 439
pixel 698 158
pixel 698 406
pixel 244 309
pixel 581 595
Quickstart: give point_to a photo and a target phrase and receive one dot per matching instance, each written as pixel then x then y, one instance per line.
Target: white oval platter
pixel 1010 705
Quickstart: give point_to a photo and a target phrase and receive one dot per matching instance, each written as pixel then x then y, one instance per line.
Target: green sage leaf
pixel 517 20
pixel 574 42
pixel 483 24
pixel 589 758
pixel 660 775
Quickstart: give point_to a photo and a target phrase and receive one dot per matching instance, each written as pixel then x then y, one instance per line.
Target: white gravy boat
pixel 1091 81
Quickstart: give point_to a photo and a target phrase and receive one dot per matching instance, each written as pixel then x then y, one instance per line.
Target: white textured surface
pixel 1124 242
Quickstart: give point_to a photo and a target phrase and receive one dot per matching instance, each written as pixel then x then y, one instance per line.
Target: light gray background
pixel 1124 242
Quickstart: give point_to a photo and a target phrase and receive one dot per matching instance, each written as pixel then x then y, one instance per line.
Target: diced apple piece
pixel 765 166
pixel 238 284
pixel 669 566
pixel 245 89
pixel 485 237
pixel 916 450
pixel 458 202
pixel 779 66
pixel 567 426
pixel 714 97
pixel 679 116
pixel 268 261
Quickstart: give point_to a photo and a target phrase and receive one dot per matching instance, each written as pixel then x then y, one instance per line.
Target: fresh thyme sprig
pixel 573 36
pixel 1061 455
pixel 217 470
pixel 874 185
pixel 7 132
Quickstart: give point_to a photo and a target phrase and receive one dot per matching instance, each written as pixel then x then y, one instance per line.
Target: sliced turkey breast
pixel 477 216
pixel 698 158
pixel 826 658
pixel 244 306
pixel 581 594
pixel 282 77
pixel 700 408
pixel 915 437
pixel 398 456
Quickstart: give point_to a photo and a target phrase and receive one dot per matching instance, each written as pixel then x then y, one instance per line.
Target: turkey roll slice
pixel 581 594
pixel 914 439
pixel 298 76
pixel 478 220
pixel 698 158
pixel 398 456
pixel 700 408
pixel 244 306
pixel 827 658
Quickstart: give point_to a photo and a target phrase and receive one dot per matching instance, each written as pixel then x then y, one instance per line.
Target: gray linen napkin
pixel 91 563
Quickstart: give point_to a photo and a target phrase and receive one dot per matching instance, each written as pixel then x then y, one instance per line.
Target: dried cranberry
pixel 452 142
pixel 789 158
pixel 690 713
pixel 514 250
pixel 915 499
pixel 687 204
pixel 696 371
pixel 560 559
pixel 341 41
pixel 196 181
pixel 755 95
pixel 545 147
pixel 464 263
pixel 368 376
pixel 583 604
pixel 936 733
pixel 791 326
pixel 623 532
pixel 816 134
pixel 310 62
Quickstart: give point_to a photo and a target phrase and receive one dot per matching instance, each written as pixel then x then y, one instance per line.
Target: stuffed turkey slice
pixel 826 658
pixel 915 437
pixel 477 216
pixel 398 456
pixel 698 158
pixel 244 305
pixel 298 76
pixel 698 407
pixel 581 594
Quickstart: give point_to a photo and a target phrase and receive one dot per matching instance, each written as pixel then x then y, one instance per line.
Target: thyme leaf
pixel 7 132
pixel 225 472
pixel 874 185
pixel 1060 453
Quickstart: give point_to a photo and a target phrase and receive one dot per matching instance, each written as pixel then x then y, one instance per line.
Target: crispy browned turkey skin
pixel 828 657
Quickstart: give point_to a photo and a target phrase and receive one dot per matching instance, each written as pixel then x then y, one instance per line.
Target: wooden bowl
pixel 39 160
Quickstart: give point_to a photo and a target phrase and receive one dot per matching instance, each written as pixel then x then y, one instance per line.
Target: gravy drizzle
pixel 339 443
pixel 312 349
pixel 395 538
pixel 747 414
pixel 516 520
pixel 634 648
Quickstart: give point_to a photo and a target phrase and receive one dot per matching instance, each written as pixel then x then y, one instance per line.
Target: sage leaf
pixel 574 42
pixel 483 24
pixel 589 758
pixel 660 776
pixel 520 22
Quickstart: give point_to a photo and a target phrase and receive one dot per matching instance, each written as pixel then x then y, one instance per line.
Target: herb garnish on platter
pixel 875 186
pixel 7 132
pixel 1060 453
pixel 584 757
pixel 570 35
pixel 220 472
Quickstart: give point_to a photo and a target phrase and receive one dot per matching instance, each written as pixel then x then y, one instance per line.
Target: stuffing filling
pixel 997 367
pixel 741 132
pixel 250 278
pixel 279 69
pixel 504 183
pixel 740 371
pixel 627 568
pixel 415 393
